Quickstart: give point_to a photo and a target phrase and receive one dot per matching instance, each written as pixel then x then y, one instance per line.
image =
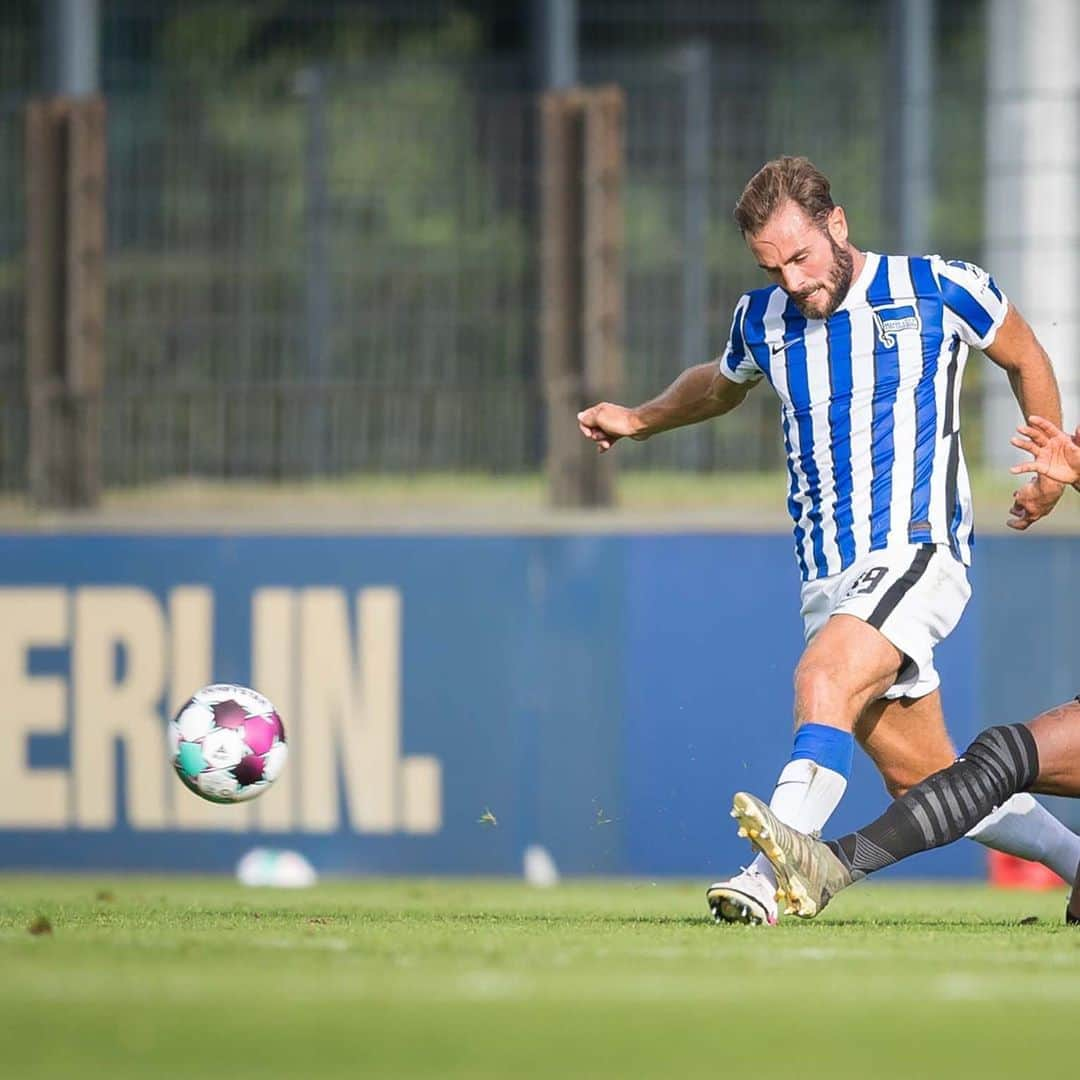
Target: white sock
pixel 804 798
pixel 1021 826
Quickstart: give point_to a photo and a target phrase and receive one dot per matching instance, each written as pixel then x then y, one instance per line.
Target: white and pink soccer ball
pixel 227 743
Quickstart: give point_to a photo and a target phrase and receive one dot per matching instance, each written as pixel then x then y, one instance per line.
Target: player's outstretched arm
pixel 1054 454
pixel 699 393
pixel 1016 349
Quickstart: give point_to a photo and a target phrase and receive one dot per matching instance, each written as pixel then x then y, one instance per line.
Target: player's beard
pixel 835 287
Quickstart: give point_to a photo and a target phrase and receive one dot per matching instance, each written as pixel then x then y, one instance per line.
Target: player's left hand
pixel 1034 501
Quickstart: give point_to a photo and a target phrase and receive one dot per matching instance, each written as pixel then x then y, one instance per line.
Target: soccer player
pixel 1042 755
pixel 866 353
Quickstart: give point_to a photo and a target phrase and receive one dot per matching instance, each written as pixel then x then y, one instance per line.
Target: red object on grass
pixel 1011 872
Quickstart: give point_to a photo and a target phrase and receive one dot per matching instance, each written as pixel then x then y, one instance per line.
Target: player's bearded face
pixel 821 298
pixel 810 260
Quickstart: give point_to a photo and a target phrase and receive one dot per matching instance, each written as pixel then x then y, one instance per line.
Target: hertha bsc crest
pixel 891 321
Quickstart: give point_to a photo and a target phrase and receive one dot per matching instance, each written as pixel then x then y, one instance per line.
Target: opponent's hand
pixel 1054 454
pixel 1051 450
pixel 605 424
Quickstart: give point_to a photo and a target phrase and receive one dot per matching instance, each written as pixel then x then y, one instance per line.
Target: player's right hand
pixel 605 424
pixel 1055 455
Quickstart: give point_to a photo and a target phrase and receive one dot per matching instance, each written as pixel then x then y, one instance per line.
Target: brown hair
pixel 794 178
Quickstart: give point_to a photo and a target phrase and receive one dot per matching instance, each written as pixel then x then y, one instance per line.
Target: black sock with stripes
pixel 946 806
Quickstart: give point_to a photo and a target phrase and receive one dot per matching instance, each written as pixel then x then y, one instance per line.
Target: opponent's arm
pixel 1017 351
pixel 699 393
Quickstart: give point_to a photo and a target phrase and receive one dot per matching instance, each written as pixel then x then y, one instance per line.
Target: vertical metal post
pixel 908 188
pixel 1032 210
pixel 560 222
pixel 71 47
pixel 317 285
pixel 916 128
pixel 555 43
pixel 694 61
pixel 1004 240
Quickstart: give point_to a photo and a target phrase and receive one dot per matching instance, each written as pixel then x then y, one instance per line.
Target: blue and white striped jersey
pixel 870 403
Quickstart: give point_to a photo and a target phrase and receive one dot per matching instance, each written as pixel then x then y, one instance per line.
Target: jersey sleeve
pixel 973 302
pixel 737 362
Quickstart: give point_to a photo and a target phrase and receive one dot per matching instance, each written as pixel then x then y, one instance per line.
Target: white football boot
pixel 749 897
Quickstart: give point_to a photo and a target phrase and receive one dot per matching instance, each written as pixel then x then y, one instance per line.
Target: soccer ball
pixel 227 744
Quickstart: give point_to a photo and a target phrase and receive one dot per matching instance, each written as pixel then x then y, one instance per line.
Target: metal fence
pixel 323 262
pixel 329 278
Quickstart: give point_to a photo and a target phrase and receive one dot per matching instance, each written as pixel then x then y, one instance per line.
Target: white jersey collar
pixel 856 294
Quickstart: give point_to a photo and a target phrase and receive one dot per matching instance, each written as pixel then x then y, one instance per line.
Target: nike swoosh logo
pixel 777 349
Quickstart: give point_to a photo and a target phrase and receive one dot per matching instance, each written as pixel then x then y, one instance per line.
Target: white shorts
pixel 914 594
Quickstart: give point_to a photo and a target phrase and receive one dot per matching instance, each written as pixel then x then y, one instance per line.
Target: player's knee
pixel 818 692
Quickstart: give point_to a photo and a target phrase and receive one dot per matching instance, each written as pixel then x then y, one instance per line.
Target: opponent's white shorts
pixel 913 593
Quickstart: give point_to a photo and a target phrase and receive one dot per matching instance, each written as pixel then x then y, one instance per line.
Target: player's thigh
pixel 906 739
pixel 1057 736
pixel 846 665
pixel 914 594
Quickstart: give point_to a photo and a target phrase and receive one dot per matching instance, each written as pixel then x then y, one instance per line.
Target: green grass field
pixel 175 977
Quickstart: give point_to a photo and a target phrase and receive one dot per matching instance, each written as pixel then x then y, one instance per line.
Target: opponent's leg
pixel 1057 733
pixel 808 874
pixel 1042 756
pixel 846 665
pixel 940 809
pixel 944 807
pixel 907 740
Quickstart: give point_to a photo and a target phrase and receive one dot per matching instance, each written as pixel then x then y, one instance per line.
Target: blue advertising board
pixel 449 700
